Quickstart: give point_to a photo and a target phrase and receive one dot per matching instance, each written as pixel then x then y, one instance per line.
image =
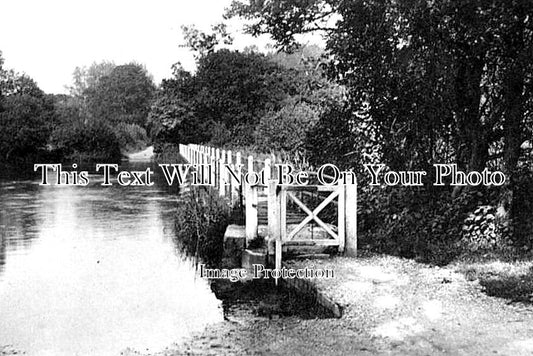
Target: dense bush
pixel 91 141
pixel 522 224
pixel 131 137
pixel 433 226
pixel 332 140
pixel 413 222
pixel 483 231
pixel 286 129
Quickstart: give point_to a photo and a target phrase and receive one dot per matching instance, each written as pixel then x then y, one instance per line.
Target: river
pixel 94 270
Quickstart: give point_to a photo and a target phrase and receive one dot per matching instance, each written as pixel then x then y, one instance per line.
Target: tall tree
pixel 172 118
pixel 122 96
pixel 86 77
pixel 441 81
pixel 235 88
pixel 223 100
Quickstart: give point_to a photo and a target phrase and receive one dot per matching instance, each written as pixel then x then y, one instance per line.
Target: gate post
pixel 273 216
pixel 350 212
pixel 341 216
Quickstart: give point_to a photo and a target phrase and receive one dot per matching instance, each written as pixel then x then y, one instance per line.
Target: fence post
pixel 222 175
pixel 216 168
pixel 281 225
pixel 350 212
pixel 236 186
pixel 267 170
pixel 213 169
pixel 201 155
pixel 251 205
pixel 229 182
pixel 341 217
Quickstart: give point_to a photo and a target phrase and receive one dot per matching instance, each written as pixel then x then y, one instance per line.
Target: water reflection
pixel 93 270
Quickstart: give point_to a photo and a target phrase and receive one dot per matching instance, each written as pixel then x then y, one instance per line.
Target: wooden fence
pixel 228 173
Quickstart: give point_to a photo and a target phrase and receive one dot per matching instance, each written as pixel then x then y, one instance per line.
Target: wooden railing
pixel 226 182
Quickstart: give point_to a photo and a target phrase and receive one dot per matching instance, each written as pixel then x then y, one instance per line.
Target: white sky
pixel 48 39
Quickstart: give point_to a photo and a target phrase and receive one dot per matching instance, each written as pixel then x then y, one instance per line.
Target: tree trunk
pixel 472 147
pixel 513 101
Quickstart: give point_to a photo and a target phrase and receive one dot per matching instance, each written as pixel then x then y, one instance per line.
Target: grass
pixel 511 280
pixel 201 220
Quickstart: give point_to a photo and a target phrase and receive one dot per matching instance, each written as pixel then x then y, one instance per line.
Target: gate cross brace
pixel 313 215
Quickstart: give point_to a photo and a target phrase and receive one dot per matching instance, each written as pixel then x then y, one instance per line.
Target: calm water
pixel 94 270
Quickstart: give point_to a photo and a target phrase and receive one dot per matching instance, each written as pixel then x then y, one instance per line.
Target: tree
pixel 172 117
pixel 122 96
pixel 442 81
pixel 286 128
pixel 87 77
pixel 26 117
pixel 236 88
pixel 202 43
pixel 229 92
pixel 312 95
pixel 285 19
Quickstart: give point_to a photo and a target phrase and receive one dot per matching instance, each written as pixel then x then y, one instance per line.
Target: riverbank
pixel 391 306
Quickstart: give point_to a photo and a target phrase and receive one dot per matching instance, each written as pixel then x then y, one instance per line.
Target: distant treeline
pixel 103 116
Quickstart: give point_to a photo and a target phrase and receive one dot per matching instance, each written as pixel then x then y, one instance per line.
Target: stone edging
pixel 305 286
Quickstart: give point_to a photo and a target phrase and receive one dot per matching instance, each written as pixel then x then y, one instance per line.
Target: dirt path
pixel 144 155
pixel 391 306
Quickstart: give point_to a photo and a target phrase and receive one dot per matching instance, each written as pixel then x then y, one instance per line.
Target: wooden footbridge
pixel 295 215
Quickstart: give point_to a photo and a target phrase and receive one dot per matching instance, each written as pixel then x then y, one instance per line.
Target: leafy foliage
pixel 202 43
pixel 230 91
pixel 441 81
pixel 88 141
pixel 172 118
pixel 105 113
pixel 122 96
pixel 26 117
pixel 283 20
pixel 87 77
pixel 131 137
pixel 286 129
pixel 411 223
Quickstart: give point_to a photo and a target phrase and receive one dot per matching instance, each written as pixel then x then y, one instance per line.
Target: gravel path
pixel 391 306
